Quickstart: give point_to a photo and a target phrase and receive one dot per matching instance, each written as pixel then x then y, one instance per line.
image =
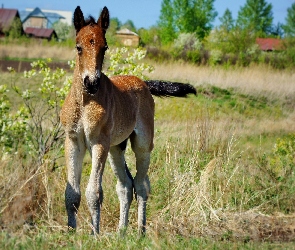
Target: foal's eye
pixel 79 49
pixel 105 47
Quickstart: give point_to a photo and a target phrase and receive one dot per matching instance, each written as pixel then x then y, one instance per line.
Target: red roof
pixel 7 16
pixel 39 32
pixel 269 44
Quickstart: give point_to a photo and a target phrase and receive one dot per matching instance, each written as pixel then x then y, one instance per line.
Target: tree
pixel 257 16
pixel 129 25
pixel 62 30
pixel 115 25
pixel 166 23
pixel 194 16
pixel 289 27
pixel 15 30
pixel 227 21
pixel 186 16
pixel 277 30
pixel 149 36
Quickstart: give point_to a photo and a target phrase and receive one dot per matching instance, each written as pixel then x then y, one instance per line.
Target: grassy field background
pixel 222 170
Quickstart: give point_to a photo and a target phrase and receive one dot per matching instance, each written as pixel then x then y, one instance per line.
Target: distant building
pixel 269 44
pixel 7 16
pixel 41 33
pixel 39 19
pixel 67 16
pixel 127 37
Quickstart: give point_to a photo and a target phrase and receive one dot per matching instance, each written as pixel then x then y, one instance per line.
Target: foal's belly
pixel 121 133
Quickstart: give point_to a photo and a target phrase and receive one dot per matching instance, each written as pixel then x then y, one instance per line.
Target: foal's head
pixel 91 45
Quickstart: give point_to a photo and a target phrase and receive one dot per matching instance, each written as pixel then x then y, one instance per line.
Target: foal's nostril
pixel 91 86
pixel 86 81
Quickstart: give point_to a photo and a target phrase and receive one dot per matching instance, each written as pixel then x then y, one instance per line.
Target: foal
pixel 100 114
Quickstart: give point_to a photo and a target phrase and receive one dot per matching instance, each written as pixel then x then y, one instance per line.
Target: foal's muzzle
pixel 91 87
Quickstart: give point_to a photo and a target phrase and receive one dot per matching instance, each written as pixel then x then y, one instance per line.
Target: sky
pixel 143 13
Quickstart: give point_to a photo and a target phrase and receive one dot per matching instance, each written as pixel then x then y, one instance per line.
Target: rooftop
pixel 126 32
pixel 7 16
pixel 39 32
pixel 269 44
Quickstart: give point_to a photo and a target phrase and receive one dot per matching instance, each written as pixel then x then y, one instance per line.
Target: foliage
pixel 289 26
pixel 124 62
pixel 166 22
pixel 187 41
pixel 15 30
pixel 194 16
pixel 149 37
pixel 129 25
pixel 257 16
pixel 280 170
pixel 63 30
pixel 35 127
pixel 115 25
pixel 277 30
pixel 12 125
pixel 227 21
pixel 188 47
pixel 234 43
pixel 289 52
pixel 189 16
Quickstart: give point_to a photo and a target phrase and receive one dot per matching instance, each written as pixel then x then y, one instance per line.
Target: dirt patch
pixel 21 66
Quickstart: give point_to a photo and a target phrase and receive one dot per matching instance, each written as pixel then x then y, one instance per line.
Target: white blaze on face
pixel 92 76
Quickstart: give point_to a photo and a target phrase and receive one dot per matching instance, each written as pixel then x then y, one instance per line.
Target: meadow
pixel 222 169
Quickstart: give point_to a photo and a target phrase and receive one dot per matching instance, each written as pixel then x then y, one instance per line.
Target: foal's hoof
pixel 71 230
pixel 122 232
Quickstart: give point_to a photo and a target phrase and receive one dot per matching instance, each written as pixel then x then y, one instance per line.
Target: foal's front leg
pixel 74 153
pixel 94 192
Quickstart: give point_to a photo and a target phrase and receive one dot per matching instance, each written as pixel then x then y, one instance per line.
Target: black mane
pixel 90 21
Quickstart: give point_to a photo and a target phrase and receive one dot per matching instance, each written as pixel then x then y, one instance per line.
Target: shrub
pixel 124 62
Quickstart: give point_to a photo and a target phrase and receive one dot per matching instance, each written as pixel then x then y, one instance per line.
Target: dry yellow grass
pixel 256 79
pixel 36 50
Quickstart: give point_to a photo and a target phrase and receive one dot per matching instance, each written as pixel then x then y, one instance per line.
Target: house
pixel 63 16
pixel 127 37
pixel 41 33
pixel 7 16
pixel 269 44
pixel 39 19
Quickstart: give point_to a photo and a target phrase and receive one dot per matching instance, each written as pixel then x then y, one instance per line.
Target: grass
pixel 222 172
pixel 59 240
pixel 34 49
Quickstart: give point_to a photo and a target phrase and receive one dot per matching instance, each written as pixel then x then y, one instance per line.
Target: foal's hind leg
pixel 75 151
pixel 124 183
pixel 142 145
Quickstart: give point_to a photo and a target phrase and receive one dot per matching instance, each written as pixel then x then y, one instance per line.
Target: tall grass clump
pixel 213 187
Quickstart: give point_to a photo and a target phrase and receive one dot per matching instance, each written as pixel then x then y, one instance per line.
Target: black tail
pixel 165 88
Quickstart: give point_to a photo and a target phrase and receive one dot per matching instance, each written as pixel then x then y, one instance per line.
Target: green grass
pixel 62 240
pixel 213 157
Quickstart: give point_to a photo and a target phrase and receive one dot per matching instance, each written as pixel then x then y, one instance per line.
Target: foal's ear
pixel 104 19
pixel 79 21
